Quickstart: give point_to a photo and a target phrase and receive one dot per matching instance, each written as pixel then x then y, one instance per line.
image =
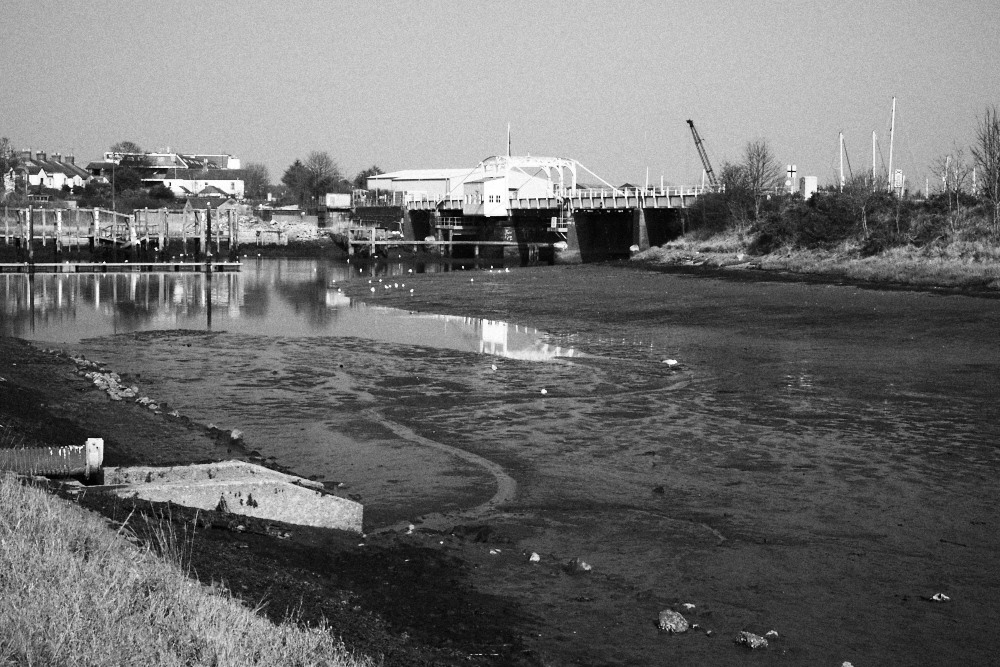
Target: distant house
pixel 55 172
pixel 187 175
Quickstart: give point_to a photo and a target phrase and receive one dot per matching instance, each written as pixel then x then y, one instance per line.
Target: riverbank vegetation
pixel 861 230
pixel 72 591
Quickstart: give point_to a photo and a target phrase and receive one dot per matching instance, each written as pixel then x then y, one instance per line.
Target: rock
pixel 534 557
pixel 577 566
pixel 750 640
pixel 771 634
pixel 223 506
pixel 940 597
pixel 236 435
pixel 672 622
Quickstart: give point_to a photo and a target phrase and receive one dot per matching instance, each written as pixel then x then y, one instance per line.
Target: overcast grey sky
pixel 434 84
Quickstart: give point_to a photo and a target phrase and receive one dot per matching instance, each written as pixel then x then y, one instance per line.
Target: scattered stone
pixel 544 391
pixel 236 435
pixel 672 622
pixel 577 566
pixel 688 606
pixel 534 557
pixel 771 634
pixel 494 552
pixel 940 597
pixel 671 362
pixel 750 640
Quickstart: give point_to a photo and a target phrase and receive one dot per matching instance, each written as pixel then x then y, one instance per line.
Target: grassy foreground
pixel 969 265
pixel 74 592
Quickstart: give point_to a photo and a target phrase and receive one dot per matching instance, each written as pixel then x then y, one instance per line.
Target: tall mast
pixel 873 159
pixel 841 161
pixel 892 130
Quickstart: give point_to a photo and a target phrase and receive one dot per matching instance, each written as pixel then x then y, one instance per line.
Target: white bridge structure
pixel 521 203
pixel 501 184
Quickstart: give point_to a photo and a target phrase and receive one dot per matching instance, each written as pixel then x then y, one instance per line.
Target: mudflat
pixel 820 461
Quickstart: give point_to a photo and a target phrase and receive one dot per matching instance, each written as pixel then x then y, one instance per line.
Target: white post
pixel 892 131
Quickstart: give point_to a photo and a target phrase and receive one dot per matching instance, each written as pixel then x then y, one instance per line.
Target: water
pixel 270 297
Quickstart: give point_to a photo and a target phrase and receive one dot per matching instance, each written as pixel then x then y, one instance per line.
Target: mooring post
pixel 31 236
pixel 6 224
pixel 59 229
pixel 208 237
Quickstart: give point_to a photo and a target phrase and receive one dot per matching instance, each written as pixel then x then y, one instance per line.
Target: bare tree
pixel 761 172
pixel 324 173
pixel 986 152
pixel 954 170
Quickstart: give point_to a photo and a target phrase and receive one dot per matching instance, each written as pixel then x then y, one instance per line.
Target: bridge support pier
pixel 640 230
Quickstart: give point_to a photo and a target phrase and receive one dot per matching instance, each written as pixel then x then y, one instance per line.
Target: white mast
pixel 892 130
pixel 841 161
pixel 873 160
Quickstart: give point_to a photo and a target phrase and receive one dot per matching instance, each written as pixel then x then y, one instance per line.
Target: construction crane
pixel 703 155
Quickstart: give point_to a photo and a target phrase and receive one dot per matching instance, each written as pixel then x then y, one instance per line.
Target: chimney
pixel 71 159
pixel 26 154
pixel 57 157
pixel 41 156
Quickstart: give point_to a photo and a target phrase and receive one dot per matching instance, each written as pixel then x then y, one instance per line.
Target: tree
pixel 9 158
pixel 256 180
pixel 308 181
pixel 954 170
pixel 361 180
pixel 296 179
pixel 126 147
pixel 760 171
pixel 986 152
pixel 324 174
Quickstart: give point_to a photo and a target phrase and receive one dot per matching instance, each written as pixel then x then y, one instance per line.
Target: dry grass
pixel 73 592
pixel 949 263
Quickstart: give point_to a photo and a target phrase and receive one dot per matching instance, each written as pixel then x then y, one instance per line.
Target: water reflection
pixel 270 297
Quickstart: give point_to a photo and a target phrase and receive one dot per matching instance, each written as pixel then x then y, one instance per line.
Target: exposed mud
pixel 821 462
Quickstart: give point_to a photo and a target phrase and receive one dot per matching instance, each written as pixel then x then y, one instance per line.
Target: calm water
pixel 270 297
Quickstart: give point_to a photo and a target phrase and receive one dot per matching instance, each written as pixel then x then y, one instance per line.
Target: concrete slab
pixel 241 488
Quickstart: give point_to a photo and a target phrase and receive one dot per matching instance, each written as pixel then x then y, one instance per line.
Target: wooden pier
pixel 118 267
pixel 194 231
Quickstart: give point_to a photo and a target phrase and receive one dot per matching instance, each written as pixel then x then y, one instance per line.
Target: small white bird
pixel 544 391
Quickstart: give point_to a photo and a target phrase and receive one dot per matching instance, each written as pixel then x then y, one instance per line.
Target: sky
pixel 413 85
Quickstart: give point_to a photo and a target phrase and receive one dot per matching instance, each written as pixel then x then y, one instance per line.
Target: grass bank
pixel 73 592
pixel 964 265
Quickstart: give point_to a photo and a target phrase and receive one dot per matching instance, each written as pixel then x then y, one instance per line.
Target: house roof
pixel 423 174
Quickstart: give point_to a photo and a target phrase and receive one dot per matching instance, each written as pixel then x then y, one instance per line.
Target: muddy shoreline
pixel 820 464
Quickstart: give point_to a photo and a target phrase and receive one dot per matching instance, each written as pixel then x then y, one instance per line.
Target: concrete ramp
pixel 238 488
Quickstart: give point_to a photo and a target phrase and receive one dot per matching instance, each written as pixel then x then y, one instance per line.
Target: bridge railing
pixel 665 191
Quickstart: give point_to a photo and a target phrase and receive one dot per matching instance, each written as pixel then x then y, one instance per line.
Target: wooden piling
pixel 59 229
pixel 31 235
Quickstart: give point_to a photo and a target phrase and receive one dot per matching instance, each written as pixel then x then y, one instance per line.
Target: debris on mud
pixel 672 622
pixel 577 566
pixel 750 640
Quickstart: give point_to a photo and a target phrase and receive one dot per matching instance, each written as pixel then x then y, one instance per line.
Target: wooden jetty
pixel 192 231
pixel 118 267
